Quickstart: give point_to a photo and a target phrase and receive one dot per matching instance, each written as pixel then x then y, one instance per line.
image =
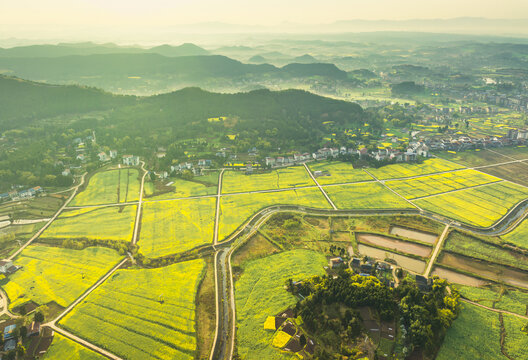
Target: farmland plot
pixel 235 209
pixel 169 227
pixel 403 170
pixel 336 172
pixel 259 293
pixel 365 196
pixel 482 206
pixel 519 236
pixel 63 348
pixel 111 223
pixel 57 274
pixel 440 183
pixel 238 181
pixel 109 187
pixel 142 313
pixel 180 188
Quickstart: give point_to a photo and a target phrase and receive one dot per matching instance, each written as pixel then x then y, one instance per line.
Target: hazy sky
pixel 261 12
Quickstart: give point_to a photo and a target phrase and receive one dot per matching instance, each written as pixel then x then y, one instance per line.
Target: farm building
pixel 335 262
pixel 6 266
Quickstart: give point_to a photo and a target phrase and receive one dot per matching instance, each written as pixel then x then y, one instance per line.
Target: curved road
pixel 226 313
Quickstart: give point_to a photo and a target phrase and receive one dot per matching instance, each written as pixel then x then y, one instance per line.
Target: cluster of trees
pixel 424 317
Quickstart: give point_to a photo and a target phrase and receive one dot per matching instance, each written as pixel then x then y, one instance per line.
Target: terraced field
pixel 429 166
pixel 62 348
pixel 440 183
pixel 235 209
pixel 168 227
pixel 481 206
pixel 337 172
pixel 111 223
pixel 238 181
pixel 365 196
pixel 142 314
pixel 259 293
pixel 111 186
pixel 57 274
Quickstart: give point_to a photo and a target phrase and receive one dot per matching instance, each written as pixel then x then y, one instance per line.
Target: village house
pixel 336 262
pixel 113 154
pixel 103 156
pixel 130 160
pixel 6 266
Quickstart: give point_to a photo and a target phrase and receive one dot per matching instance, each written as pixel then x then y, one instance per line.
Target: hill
pixel 305 59
pixel 317 69
pixel 22 102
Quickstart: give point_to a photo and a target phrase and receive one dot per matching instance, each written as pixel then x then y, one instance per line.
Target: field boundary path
pixel 493 309
pixel 382 182
pixel 139 204
pixel 437 249
pixel 38 233
pixel 319 186
pixel 83 342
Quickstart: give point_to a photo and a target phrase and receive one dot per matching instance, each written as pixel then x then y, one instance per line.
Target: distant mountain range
pixel 89 48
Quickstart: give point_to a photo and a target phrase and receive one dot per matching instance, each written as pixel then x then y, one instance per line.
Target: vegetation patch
pixel 519 236
pixel 181 188
pixel 142 313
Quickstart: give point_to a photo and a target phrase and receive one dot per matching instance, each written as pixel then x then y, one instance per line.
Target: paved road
pixel 319 186
pixel 140 203
pixel 50 220
pixel 436 251
pixel 217 213
pixel 4 303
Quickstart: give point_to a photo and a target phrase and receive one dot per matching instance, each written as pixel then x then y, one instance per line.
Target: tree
pixel 39 317
pixel 23 332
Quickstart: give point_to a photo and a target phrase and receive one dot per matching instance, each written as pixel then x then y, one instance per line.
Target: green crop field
pixel 57 274
pixel 510 300
pixel 200 185
pixel 516 342
pixel 461 243
pixel 429 166
pixel 481 206
pixel 519 236
pixel 63 348
pixel 142 313
pixel 475 333
pixel 103 188
pixel 112 223
pixel 238 181
pixel 169 227
pixel 235 209
pixel 440 183
pixel 259 294
pixel 338 172
pixel 365 196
